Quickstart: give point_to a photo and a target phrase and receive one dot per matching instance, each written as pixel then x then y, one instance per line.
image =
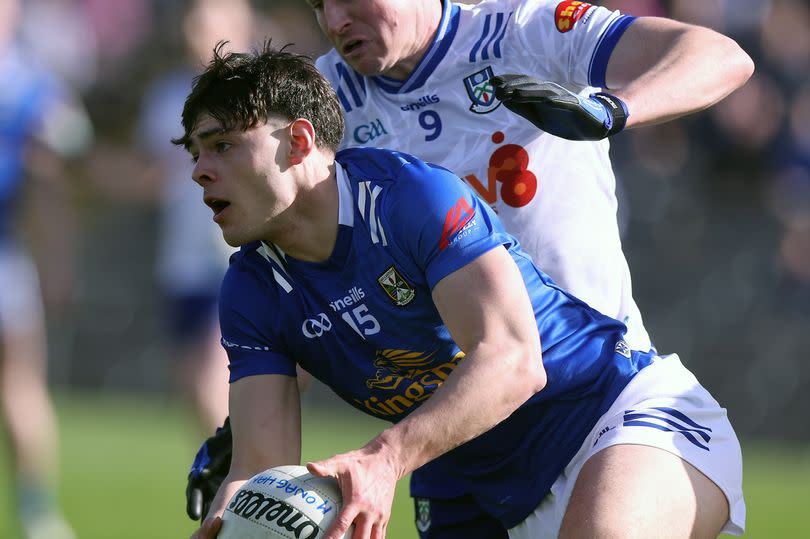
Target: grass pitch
pixel 124 462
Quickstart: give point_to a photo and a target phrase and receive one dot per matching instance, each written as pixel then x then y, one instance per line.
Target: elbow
pixel 539 378
pixel 743 66
pixel 739 66
pixel 531 375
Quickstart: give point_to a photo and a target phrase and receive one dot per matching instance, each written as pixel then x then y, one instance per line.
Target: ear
pixel 302 140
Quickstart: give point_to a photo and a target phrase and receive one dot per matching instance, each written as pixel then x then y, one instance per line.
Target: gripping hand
pixel 211 465
pixel 560 112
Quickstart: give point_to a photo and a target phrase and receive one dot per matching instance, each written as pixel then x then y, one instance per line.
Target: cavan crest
pixel 422 514
pixel 397 288
pixel 481 91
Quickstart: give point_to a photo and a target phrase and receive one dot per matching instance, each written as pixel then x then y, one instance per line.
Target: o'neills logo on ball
pixel 568 13
pixel 256 506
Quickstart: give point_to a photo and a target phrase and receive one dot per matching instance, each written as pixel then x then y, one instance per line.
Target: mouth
pixel 352 45
pixel 218 205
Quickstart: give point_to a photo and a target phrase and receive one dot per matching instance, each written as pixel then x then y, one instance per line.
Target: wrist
pixel 616 108
pixel 389 446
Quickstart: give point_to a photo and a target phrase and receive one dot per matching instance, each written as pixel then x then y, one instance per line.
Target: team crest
pixel 422 514
pixel 481 91
pixel 397 288
pixel 622 348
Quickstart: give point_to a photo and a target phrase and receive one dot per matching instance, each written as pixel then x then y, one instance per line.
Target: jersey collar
pixel 437 51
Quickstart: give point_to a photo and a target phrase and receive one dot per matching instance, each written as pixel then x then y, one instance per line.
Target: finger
pixel 206 505
pixel 194 503
pixel 320 469
pixel 378 532
pixel 507 78
pixel 342 523
pixel 363 527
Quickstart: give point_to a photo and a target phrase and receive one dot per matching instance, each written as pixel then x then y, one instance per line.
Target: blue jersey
pixel 364 323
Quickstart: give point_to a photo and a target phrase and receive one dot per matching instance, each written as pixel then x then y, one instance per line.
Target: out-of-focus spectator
pixel 192 256
pixel 41 124
pixel 59 35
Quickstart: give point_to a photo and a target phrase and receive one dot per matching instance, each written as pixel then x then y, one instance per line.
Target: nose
pixel 334 18
pixel 202 173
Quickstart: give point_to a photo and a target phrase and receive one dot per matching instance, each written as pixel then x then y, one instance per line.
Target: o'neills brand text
pixel 352 296
pixel 421 102
pixel 256 506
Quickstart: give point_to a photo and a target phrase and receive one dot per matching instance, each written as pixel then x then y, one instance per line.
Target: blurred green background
pixel 125 458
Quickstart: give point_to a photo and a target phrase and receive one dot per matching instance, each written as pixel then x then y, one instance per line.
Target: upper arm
pixel 649 39
pixel 265 415
pixel 642 44
pixel 485 303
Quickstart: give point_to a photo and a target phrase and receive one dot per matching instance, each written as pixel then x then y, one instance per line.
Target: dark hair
pixel 243 90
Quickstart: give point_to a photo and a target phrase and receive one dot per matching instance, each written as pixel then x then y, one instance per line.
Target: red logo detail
pixel 458 216
pixel 568 13
pixel 509 166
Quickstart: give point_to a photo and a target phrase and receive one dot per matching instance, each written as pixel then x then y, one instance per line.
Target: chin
pixel 235 239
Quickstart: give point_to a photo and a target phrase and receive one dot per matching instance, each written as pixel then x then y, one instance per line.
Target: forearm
pixel 682 70
pixel 481 393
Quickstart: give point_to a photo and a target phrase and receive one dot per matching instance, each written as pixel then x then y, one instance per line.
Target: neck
pixel 309 231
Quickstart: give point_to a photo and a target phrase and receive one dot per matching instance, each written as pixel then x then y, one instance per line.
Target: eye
pixel 194 158
pixel 222 146
pixel 316 4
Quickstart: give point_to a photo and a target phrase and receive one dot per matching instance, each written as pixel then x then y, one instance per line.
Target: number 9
pixel 430 121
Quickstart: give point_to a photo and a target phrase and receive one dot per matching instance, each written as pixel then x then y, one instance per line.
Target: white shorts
pixel 20 303
pixel 691 423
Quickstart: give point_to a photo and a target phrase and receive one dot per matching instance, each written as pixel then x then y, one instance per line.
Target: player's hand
pixel 367 482
pixel 560 112
pixel 209 529
pixel 209 469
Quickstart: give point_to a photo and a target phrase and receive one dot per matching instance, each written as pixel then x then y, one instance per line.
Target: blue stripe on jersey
pixel 484 34
pixel 495 37
pixel 345 76
pixel 598 69
pixel 441 44
pixel 500 27
pixel 496 48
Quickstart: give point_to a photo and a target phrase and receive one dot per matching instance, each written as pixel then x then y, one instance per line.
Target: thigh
pixel 663 427
pixel 627 491
pixel 21 311
pixel 457 518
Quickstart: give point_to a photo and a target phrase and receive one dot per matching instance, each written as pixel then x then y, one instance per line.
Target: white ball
pixel 286 502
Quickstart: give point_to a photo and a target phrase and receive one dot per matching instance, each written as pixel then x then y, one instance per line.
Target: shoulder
pixel 398 189
pixel 398 169
pixel 250 278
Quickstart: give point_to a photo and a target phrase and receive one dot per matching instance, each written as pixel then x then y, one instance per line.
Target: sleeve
pixel 443 224
pixel 249 324
pixel 569 41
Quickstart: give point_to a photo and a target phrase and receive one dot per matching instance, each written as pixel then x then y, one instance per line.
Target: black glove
pixel 559 112
pixel 209 469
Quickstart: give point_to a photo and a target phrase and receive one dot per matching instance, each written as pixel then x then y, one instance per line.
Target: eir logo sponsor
pixel 458 216
pixel 568 13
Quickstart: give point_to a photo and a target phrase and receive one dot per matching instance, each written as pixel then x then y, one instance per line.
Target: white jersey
pixel 556 196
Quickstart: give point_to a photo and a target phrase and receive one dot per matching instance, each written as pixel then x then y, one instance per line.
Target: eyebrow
pixel 208 133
